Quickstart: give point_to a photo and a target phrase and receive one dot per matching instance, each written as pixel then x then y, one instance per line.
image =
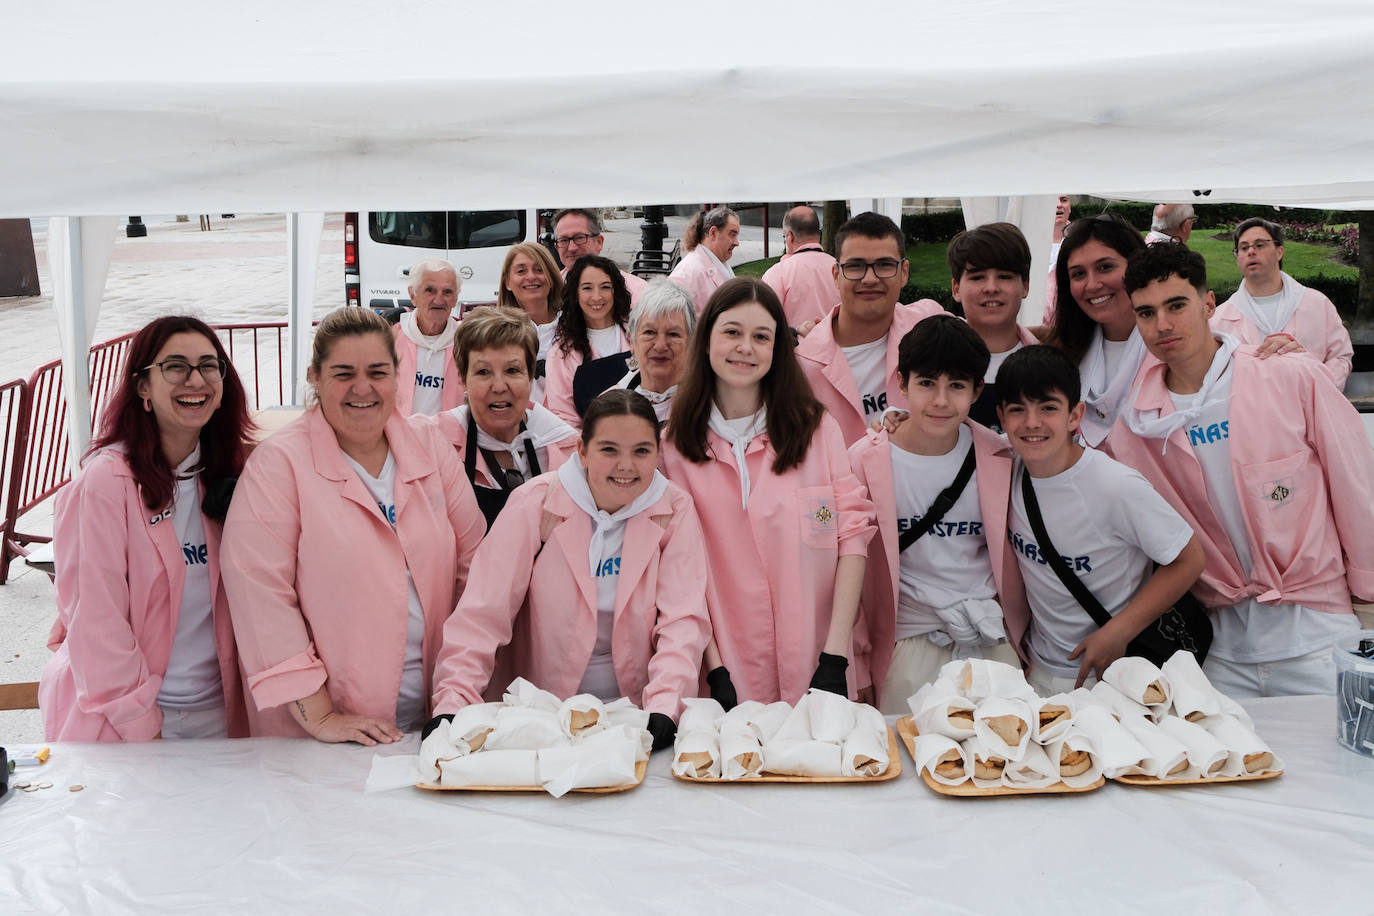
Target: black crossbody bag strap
pixel 942 504
pixel 1061 569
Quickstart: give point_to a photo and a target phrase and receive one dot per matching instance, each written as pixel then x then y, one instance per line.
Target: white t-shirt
pixel 599 679
pixel 1248 632
pixel 1112 352
pixel 605 341
pixel 1109 524
pixel 429 378
pixel 995 361
pixel 410 703
pixel 868 364
pixel 950 561
pixel 193 679
pixel 1269 306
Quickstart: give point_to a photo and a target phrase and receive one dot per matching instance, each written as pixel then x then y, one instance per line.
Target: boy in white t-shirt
pixel 989 276
pixel 1103 518
pixel 1269 462
pixel 955 591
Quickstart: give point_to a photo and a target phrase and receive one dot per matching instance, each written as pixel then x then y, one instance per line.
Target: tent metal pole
pixel 76 346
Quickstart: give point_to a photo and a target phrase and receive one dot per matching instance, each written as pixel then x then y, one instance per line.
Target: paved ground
pixel 234 273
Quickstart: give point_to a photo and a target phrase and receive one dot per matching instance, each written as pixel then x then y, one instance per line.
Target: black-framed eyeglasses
pixel 1256 245
pixel 177 371
pixel 581 238
pixel 883 268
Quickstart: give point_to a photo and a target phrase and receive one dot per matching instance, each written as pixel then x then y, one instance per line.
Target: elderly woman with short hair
pixel 660 329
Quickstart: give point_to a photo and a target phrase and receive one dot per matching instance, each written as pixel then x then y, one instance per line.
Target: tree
pixel 1364 300
pixel 836 212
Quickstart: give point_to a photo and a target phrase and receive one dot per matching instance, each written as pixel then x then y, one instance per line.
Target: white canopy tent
pixel 311 106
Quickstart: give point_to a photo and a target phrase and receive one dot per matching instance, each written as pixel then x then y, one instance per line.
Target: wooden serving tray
pixel 906 727
pixel 1155 782
pixel 641 768
pixel 894 769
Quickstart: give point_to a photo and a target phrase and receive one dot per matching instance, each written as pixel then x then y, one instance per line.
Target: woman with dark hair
pixel 786 522
pixel 346 549
pixel 590 351
pixel 1094 324
pixel 143 643
pixel 601 568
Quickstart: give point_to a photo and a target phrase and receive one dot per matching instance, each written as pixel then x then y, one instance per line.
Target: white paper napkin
pixel 802 757
pixel 1074 741
pixel 1139 679
pixel 521 692
pixel 866 750
pixel 741 753
pixel 587 765
pixel 1122 705
pixel 696 754
pixel 930 753
pixel 1164 753
pixel 977 752
pixel 580 714
pixel 1241 743
pixel 491 768
pixel 1206 755
pixel 1116 749
pixel 396 771
pixel 831 717
pixel 1194 695
pixel 1008 715
pixel 699 714
pixel 525 728
pixel 1033 771
pixel 1062 706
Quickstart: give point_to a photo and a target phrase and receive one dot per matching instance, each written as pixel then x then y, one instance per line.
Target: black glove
pixel 722 688
pixel 663 729
pixel 218 492
pixel 432 724
pixel 830 674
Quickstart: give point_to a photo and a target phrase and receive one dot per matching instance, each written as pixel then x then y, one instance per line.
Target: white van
pixel 380 246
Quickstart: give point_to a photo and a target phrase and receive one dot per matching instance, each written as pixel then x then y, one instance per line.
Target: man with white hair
pixel 1172 222
pixel 426 376
pixel 576 234
pixel 709 239
pixel 805 277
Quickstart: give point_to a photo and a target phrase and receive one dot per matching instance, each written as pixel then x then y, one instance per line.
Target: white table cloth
pixel 274 825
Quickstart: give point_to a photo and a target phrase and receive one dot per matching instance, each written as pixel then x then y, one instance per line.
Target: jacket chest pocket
pixel 1275 489
pixel 818 517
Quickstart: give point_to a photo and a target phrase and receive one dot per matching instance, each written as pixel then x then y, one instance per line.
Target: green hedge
pixel 943 225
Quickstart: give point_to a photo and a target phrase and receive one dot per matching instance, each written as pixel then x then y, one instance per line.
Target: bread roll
pixel 1182 765
pixel 1072 762
pixel 950 765
pixel 1154 694
pixel 991 768
pixel 700 762
pixel 1008 728
pixel 958 716
pixel 581 719
pixel 1052 713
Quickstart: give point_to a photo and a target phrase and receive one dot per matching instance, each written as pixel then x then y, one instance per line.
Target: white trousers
pixel 916 661
pixel 1313 673
pixel 194 723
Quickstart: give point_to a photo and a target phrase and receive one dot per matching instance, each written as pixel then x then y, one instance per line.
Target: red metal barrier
pixel 36 449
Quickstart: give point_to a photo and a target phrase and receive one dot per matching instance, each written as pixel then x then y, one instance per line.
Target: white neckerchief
pixel 190 466
pixel 542 428
pixel 573 477
pixel 1104 396
pixel 654 397
pixel 441 341
pixel 716 264
pixel 720 426
pixel 1292 295
pixel 1151 425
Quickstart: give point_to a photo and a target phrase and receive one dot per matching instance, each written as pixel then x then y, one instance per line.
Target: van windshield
pixel 447 230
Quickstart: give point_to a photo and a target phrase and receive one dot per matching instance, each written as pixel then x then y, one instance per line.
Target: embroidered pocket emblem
pixel 822 516
pixel 1277 492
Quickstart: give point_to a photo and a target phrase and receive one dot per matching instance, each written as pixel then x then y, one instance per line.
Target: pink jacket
pixel 535 561
pixel 805 282
pixel 119 584
pixel 698 275
pixel 317 578
pixel 1315 324
pixel 406 353
pixel 772 568
pixel 828 372
pixel 456 432
pixel 1304 473
pixel 871 458
pixel 559 369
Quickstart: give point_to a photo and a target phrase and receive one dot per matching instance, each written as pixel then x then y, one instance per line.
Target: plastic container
pixel 1355 692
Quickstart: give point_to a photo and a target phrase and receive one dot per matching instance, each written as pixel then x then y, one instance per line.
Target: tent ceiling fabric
pixel 147 107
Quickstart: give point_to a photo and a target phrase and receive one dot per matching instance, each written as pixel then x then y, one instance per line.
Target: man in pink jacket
pixel 426 378
pixel 710 239
pixel 850 356
pixel 576 234
pixel 805 277
pixel 1270 465
pixel 1272 306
